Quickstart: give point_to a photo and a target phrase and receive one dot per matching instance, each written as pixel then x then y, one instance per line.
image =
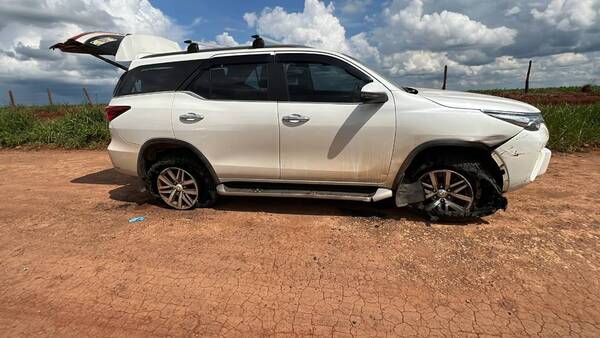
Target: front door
pixel 228 113
pixel 326 133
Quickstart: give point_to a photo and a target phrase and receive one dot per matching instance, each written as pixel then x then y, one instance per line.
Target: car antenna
pixel 258 41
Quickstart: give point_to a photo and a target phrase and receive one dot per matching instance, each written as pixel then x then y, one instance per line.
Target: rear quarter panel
pixel 148 118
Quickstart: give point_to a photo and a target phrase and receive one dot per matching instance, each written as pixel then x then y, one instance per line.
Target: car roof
pixel 210 52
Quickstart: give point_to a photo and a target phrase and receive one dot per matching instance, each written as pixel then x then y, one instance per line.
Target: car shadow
pixel 128 191
pixel 355 121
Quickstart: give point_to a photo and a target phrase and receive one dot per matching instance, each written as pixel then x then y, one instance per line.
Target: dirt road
pixel 72 265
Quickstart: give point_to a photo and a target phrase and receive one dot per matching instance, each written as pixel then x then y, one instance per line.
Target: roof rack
pixel 194 47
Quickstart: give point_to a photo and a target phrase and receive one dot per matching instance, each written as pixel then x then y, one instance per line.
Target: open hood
pixel 124 47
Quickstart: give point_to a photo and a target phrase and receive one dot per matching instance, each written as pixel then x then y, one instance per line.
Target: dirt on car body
pixel 73 265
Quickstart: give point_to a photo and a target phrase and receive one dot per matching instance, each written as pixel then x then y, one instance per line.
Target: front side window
pixel 321 79
pixel 248 81
pixel 155 78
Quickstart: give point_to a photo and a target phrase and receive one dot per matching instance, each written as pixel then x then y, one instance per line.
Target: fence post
pixel 50 97
pixel 12 98
pixel 445 77
pixel 527 79
pixel 87 96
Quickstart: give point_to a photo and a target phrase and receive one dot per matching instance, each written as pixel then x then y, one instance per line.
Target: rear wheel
pixel 181 184
pixel 457 190
pixel 177 188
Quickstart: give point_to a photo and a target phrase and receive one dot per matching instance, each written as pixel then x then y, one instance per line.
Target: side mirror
pixel 373 93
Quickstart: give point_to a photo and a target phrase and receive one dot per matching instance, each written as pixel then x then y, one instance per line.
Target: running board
pixel 379 195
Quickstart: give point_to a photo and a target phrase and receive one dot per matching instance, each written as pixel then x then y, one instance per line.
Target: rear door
pixel 228 112
pixel 326 133
pixel 124 47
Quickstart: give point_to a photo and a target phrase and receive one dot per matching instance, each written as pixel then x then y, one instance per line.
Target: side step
pixel 378 195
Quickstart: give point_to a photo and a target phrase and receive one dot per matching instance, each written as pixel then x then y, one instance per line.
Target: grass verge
pixel 71 127
pixel 572 128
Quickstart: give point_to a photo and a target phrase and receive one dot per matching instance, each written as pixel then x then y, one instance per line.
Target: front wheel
pixel 458 190
pixel 447 192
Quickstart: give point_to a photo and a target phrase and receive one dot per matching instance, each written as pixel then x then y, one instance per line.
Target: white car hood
pixel 465 100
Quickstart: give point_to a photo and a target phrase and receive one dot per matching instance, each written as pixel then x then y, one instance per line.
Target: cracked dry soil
pixel 71 264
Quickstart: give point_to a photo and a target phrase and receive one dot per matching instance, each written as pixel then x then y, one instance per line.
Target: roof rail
pixel 220 49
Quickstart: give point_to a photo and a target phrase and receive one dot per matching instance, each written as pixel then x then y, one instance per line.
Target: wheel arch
pixel 152 149
pixel 441 148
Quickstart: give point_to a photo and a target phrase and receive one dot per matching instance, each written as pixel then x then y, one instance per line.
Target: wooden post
pixel 50 97
pixel 527 79
pixel 87 96
pixel 445 77
pixel 12 98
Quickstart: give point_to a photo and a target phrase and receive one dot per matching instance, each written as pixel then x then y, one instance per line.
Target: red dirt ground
pixel 71 264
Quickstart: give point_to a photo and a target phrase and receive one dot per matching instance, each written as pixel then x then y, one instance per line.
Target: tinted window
pixel 322 81
pixel 155 78
pixel 248 81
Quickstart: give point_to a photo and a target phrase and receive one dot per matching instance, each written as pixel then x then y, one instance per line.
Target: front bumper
pixel 523 158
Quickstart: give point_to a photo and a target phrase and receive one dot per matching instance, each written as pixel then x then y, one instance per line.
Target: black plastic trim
pixel 141 170
pixel 433 144
pixel 302 186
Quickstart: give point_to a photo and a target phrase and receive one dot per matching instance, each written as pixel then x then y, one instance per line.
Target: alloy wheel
pixel 446 192
pixel 178 188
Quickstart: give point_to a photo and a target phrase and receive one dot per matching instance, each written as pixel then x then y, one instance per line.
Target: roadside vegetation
pixel 573 126
pixel 67 126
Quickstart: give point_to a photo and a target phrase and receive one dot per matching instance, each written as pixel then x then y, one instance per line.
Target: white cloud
pixel 224 39
pixel 29 27
pixel 513 11
pixel 352 7
pixel 570 15
pixel 409 27
pixel 315 26
pixel 250 19
pixel 566 60
pixel 421 63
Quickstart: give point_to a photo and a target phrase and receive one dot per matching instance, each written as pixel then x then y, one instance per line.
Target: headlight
pixel 529 121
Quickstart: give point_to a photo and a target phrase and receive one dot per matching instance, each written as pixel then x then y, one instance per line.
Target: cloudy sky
pixel 485 44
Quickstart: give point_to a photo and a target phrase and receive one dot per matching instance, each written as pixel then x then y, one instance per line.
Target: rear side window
pixel 245 81
pixel 155 78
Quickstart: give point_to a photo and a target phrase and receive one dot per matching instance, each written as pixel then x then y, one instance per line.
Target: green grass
pixel 76 127
pixel 572 127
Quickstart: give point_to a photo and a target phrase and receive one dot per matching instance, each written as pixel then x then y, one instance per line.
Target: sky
pixel 486 44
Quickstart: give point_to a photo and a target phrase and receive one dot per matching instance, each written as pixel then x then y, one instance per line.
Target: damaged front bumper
pixel 523 158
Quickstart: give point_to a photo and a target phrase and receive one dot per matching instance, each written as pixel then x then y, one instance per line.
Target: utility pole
pixel 445 77
pixel 527 79
pixel 12 98
pixel 87 96
pixel 50 97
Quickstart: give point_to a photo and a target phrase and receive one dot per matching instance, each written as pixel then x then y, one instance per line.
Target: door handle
pixel 295 119
pixel 190 118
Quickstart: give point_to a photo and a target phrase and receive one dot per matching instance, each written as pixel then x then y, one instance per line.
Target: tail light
pixel 113 111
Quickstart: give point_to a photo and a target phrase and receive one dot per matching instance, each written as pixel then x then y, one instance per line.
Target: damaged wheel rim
pixel 177 188
pixel 446 192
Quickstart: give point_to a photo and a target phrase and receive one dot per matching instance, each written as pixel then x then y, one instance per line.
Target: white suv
pixel 293 121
